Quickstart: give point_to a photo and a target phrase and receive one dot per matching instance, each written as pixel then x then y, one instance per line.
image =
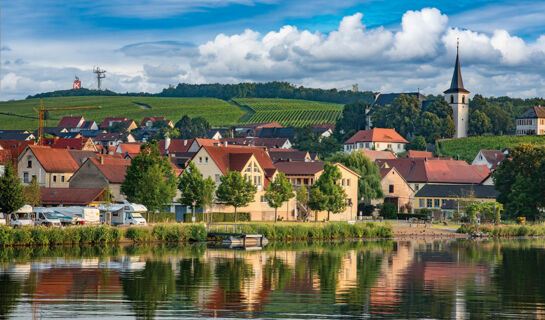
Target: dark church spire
pixel 457 84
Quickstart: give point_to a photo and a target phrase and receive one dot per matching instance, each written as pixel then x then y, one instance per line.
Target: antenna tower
pixel 101 74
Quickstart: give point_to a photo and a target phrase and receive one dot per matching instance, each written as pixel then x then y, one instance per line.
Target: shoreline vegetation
pixel 498 231
pixel 170 233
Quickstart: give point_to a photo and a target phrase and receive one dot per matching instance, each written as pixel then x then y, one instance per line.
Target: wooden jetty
pixel 233 237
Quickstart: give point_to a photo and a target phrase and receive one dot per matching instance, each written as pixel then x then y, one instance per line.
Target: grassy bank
pixel 506 230
pixel 321 231
pixel 42 236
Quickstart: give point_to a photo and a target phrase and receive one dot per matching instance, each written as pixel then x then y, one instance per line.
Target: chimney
pixel 185 142
pixel 225 143
pixel 101 160
pixel 167 142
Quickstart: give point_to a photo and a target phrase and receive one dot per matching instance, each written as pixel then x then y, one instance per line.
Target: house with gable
pixel 490 158
pixel 531 122
pixel 51 167
pixel 376 139
pixel 253 163
pixel 126 124
pixel 101 172
pixel 148 122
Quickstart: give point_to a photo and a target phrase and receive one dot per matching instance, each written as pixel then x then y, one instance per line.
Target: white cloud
pixel 419 55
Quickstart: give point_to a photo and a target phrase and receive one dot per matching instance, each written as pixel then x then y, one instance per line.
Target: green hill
pixel 217 112
pixel 290 112
pixel 467 148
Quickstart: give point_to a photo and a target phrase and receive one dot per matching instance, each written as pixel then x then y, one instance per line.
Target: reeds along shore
pixel 506 230
pixel 186 232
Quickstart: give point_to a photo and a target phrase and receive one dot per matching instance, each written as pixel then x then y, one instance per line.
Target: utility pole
pixel 101 74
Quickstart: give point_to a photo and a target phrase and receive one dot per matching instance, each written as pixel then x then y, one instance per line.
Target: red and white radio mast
pixel 77 84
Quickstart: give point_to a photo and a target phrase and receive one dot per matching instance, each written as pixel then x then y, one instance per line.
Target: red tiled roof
pixel 234 158
pixel 69 122
pixel 54 160
pixel 290 155
pixel 324 125
pixel 494 157
pixel 418 154
pixel 207 142
pixel 129 147
pixel 114 169
pixel 376 135
pixel 67 143
pixel 254 141
pixel 109 136
pixel 176 145
pixel 106 122
pixel 5 156
pixel 300 167
pixel 262 125
pixel 437 170
pixel 16 147
pixel 69 196
pixel 375 154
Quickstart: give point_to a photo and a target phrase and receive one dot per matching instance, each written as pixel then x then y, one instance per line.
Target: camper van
pixel 125 213
pixel 81 215
pixel 46 217
pixel 21 218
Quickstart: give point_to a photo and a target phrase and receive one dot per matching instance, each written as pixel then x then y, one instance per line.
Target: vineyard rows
pixel 290 112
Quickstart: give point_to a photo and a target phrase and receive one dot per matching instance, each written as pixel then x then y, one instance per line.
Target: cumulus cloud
pixel 418 55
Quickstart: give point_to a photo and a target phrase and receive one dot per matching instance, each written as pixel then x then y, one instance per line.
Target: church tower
pixel 458 98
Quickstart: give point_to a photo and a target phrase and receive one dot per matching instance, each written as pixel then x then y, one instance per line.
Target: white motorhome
pixel 125 213
pixel 46 217
pixel 82 215
pixel 21 218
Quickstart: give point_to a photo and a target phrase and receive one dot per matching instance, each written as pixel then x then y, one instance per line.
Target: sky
pixel 380 45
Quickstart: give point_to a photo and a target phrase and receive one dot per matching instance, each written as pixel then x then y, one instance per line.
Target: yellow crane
pixel 41 116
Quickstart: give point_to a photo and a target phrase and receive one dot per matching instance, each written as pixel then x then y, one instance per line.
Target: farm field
pixel 291 112
pixel 217 112
pixel 467 148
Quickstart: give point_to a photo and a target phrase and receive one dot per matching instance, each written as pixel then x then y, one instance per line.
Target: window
pixel 451 99
pixel 428 203
pixel 54 178
pixel 348 182
pixel 200 159
pixel 299 181
pixel 421 203
pixel 29 164
pixel 206 160
pixel 463 99
pixel 389 146
pixel 436 203
pixel 305 181
pixel 217 178
pixel 256 168
pixel 342 182
pixel 391 188
pixel 416 187
pixel 62 178
pixel 25 177
pixel 263 199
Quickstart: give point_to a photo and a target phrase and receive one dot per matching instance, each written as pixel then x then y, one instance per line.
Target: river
pixel 441 279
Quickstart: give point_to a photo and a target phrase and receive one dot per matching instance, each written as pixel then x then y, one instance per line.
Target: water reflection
pixel 370 279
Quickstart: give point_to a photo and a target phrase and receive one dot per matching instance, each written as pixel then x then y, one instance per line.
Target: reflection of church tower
pixel 458 98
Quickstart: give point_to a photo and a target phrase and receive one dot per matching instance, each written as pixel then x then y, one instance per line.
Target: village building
pixel 51 167
pixel 490 158
pixel 418 154
pixel 419 172
pixel 200 142
pixel 377 155
pixel 305 174
pixel 449 198
pixel 255 164
pixel 112 139
pixel 276 143
pixel 85 144
pixel 531 122
pixel 76 124
pixel 396 190
pixel 148 122
pixel 168 146
pixel 55 197
pixel 276 132
pixel 376 139
pixel 101 172
pixel 279 155
pixel 251 130
pixel 126 124
pixel 22 135
pixel 128 150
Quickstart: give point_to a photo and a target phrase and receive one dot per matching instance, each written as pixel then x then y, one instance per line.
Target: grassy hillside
pixel 290 112
pixel 467 148
pixel 217 112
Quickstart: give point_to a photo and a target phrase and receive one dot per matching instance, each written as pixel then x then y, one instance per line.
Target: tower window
pixel 463 99
pixel 451 99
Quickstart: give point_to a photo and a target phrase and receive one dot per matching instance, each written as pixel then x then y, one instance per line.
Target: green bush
pixel 160 217
pixel 55 236
pixel 218 216
pixel 138 234
pixel 388 210
pixel 167 233
pixel 333 230
pixel 505 230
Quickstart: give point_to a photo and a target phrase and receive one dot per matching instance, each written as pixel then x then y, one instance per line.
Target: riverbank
pixel 406 232
pixel 510 230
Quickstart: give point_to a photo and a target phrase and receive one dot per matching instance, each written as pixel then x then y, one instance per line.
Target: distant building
pixel 148 122
pixel 278 155
pixel 376 139
pixel 22 135
pixel 270 143
pixel 51 167
pixel 458 98
pixel 531 122
pixel 126 124
pixel 376 155
pixel 396 189
pixel 418 154
pixel 101 172
pixel 251 129
pixel 112 139
pixel 54 197
pixel 489 158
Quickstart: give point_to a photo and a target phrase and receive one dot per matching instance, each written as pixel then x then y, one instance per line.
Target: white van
pixel 82 215
pixel 46 217
pixel 22 217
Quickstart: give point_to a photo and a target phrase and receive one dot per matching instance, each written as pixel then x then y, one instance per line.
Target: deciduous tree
pixel 326 193
pixel 150 179
pixel 235 190
pixel 32 193
pixel 402 114
pixel 12 196
pixel 195 190
pixel 279 191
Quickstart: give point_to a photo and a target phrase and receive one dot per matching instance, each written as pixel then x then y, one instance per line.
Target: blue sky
pixel 381 45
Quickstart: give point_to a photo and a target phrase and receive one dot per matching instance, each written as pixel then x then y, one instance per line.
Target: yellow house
pixel 396 189
pixel 51 167
pixel 255 164
pixel 304 174
pixel 448 198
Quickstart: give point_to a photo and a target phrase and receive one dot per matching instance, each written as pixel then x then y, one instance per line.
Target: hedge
pixel 53 236
pixel 497 231
pixel 218 216
pixel 331 230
